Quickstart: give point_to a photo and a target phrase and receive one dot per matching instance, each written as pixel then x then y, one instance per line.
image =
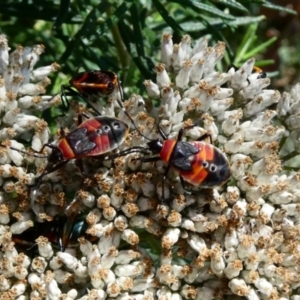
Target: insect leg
pixel 205 136
pixel 201 138
pixel 64 95
pixel 80 117
pixel 163 184
pixel 128 151
pixel 66 232
pixel 84 175
pixel 49 170
pixel 71 92
pixel 182 183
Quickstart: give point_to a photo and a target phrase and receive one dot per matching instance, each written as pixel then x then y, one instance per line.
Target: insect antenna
pixel 127 114
pixel 25 152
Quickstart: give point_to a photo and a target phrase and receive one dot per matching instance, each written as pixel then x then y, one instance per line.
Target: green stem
pixel 289 156
pixel 121 49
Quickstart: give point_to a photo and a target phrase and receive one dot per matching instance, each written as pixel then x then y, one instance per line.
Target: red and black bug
pixel 93 137
pixel 90 86
pixel 198 163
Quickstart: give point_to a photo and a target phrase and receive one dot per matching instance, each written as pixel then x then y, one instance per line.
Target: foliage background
pixel 124 36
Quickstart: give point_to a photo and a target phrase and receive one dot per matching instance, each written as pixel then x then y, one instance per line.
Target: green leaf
pixel 166 16
pixel 117 15
pixel 62 14
pixel 127 35
pixel 137 33
pixel 233 4
pixel 260 48
pixel 89 22
pixel 280 8
pixel 245 20
pixel 249 36
pixel 204 7
pixel 264 62
pixel 194 26
pixel 45 11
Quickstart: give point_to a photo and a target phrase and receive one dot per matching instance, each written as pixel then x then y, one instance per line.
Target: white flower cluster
pixel 233 242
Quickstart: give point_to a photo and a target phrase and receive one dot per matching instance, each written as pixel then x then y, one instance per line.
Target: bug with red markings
pixel 198 162
pixel 90 86
pixel 93 137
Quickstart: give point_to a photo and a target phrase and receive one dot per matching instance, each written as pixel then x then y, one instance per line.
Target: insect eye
pixel 205 164
pixel 116 125
pixel 106 128
pixel 213 168
pixel 110 86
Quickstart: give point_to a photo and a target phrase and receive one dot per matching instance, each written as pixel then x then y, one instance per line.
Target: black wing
pixel 79 141
pixel 180 158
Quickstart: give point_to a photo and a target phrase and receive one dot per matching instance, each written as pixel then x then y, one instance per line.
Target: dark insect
pixel 256 70
pixel 57 232
pixel 198 163
pixel 92 137
pixel 90 86
pixel 260 72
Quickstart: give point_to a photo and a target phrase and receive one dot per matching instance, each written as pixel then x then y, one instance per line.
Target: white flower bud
pixel 233 269
pixel 182 79
pixel 231 240
pixel 4 214
pixel 31 89
pixel 261 102
pixel 126 256
pixel 69 260
pixel 188 224
pixel 81 270
pixel 246 248
pixel 55 263
pixel 217 265
pixel 72 294
pixel 130 237
pixel 131 270
pixel 206 293
pixel 264 286
pixel 197 70
pixel 166 49
pixel 239 78
pixel 4 283
pixel 21 226
pixel 44 247
pixel 52 290
pixel 239 287
pixel 152 89
pixel 4 55
pixel 162 77
pixel 20 273
pixel 177 57
pixel 197 243
pixel 19 288
pixel 42 72
pixel 89 200
pixel 39 264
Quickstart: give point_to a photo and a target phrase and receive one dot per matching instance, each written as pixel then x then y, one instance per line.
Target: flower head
pixel 147 232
